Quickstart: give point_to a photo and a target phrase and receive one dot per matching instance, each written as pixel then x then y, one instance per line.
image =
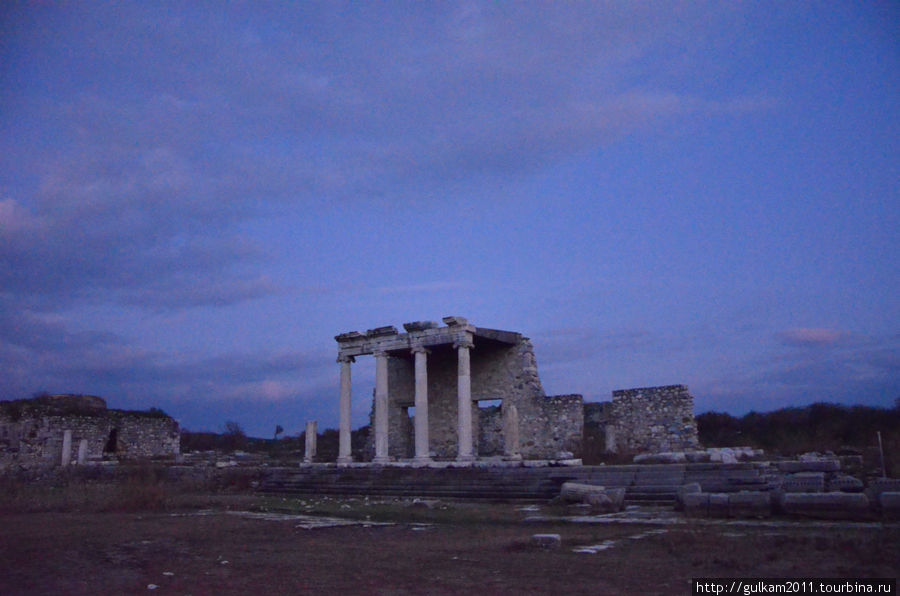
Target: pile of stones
pixel 725 455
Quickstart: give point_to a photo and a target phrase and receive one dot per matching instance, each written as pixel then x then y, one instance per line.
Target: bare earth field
pixel 444 548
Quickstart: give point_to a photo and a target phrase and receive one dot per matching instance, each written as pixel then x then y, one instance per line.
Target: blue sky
pixel 196 197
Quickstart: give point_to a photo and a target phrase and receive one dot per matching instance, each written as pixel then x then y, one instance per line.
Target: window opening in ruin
pixel 112 444
pixel 490 404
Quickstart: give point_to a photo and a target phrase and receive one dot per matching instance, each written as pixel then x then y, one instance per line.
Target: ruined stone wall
pixel 548 427
pixel 651 420
pixel 36 438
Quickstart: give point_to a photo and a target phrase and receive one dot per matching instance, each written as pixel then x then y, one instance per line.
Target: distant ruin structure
pixel 647 420
pixel 429 382
pixel 74 429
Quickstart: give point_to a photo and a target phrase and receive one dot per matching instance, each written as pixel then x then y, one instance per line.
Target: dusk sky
pixel 195 198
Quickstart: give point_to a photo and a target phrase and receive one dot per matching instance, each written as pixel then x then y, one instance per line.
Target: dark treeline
pixel 789 431
pixel 818 427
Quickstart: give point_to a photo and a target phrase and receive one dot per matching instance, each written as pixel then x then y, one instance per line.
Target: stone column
pixel 66 458
pixel 421 428
pixel 511 447
pixel 344 456
pixel 381 408
pixel 464 402
pixel 311 438
pixel 82 452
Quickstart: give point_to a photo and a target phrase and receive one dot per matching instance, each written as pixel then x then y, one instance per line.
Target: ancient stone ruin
pixel 647 420
pixel 429 382
pixel 76 429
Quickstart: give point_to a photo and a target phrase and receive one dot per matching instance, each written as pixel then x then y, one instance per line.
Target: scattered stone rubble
pixel 599 498
pixel 811 487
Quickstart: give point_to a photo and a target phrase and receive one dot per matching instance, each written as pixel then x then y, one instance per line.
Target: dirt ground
pixel 446 549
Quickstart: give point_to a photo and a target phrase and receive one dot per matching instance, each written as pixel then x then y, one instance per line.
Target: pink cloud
pixel 802 336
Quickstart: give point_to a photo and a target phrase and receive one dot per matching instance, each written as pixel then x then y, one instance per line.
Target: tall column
pixel 381 408
pixel 422 447
pixel 82 452
pixel 344 456
pixel 511 448
pixel 312 434
pixel 66 456
pixel 464 402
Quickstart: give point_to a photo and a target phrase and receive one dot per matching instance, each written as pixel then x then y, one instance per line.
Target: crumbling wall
pixel 31 432
pixel 651 420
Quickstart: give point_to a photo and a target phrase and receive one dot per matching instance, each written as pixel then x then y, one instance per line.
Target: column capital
pixel 464 343
pixel 380 353
pixel 420 350
pixel 345 358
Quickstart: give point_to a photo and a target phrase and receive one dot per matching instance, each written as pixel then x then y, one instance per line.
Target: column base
pixel 465 458
pixel 517 457
pixel 345 459
pixel 422 461
pixel 381 459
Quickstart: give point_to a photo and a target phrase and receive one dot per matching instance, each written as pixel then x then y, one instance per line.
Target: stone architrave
pixel 421 401
pixel 464 402
pixel 381 408
pixel 66 457
pixel 344 450
pixel 311 438
pixel 511 448
pixel 82 452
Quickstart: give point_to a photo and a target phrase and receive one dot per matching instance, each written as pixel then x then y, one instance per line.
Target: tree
pixel 278 431
pixel 235 437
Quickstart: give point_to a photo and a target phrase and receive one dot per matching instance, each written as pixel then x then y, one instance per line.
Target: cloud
pixel 863 370
pixel 143 193
pixel 811 337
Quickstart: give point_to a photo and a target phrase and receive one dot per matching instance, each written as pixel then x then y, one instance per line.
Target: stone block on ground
pixel 825 465
pixel 617 496
pixel 845 483
pixel 750 504
pixel 826 505
pixel 576 492
pixel 718 505
pixel 600 503
pixel 804 482
pixel 696 504
pixel 685 489
pixel 723 455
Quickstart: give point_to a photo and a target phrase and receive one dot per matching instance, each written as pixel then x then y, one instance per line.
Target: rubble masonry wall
pixel 652 419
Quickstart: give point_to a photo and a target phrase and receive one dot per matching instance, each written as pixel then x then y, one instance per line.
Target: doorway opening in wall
pixel 490 428
pixel 112 443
